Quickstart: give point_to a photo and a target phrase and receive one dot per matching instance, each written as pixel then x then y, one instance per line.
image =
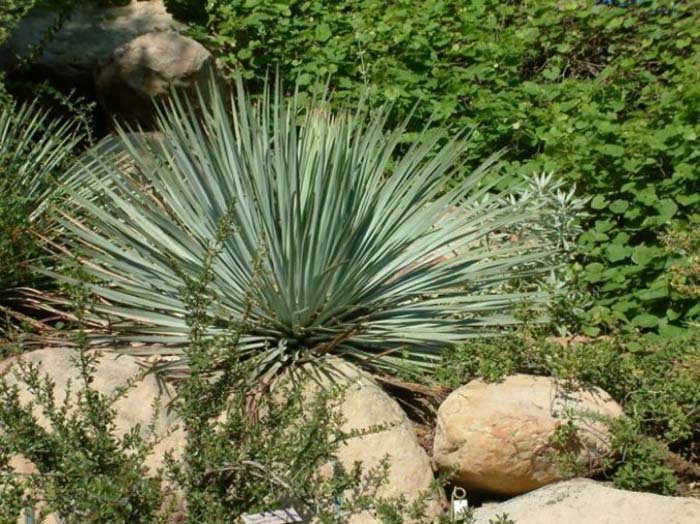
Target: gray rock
pixel 88 37
pixel 147 67
pixel 582 501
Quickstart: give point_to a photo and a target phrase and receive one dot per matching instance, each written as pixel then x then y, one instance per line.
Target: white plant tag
pixel 460 507
pixel 278 516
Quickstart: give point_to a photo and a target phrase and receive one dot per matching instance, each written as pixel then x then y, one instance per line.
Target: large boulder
pixel 498 437
pixel 86 38
pixel 585 501
pixel 364 406
pixel 147 67
pixel 137 407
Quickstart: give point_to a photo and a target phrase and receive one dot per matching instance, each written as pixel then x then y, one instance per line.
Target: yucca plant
pixel 34 147
pixel 342 239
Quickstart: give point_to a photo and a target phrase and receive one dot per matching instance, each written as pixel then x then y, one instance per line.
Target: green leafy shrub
pixel 85 473
pixel 33 149
pixel 605 96
pixel 358 254
pixel 643 462
pixel 245 464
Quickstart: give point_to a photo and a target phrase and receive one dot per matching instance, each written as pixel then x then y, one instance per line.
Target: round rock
pixel 84 39
pixel 147 67
pixel 365 406
pixel 497 437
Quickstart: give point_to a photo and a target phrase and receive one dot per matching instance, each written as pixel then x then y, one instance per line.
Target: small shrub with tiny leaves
pixel 85 473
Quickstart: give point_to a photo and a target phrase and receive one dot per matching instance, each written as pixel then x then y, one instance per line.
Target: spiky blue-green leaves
pixel 344 240
pixel 33 148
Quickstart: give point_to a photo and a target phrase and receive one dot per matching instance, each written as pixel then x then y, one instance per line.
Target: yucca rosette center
pixel 336 242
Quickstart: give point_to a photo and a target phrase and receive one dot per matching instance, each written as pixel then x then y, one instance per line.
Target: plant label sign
pixel 278 516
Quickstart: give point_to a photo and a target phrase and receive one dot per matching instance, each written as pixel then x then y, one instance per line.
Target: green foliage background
pixel 608 97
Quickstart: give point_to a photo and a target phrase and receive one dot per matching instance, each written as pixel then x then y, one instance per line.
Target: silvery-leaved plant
pixel 34 147
pixel 556 211
pixel 339 239
pixel 561 222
